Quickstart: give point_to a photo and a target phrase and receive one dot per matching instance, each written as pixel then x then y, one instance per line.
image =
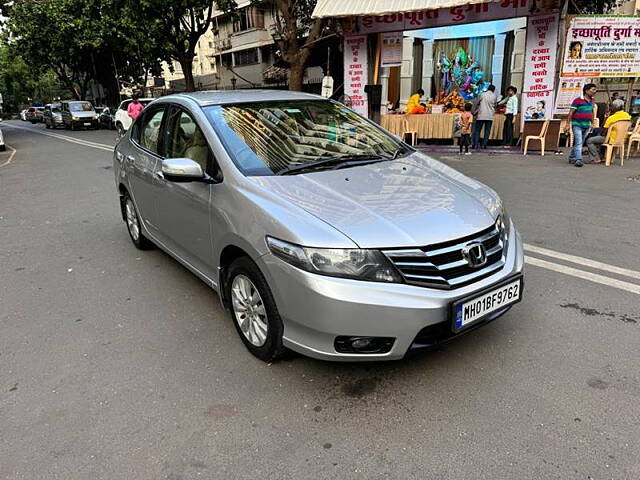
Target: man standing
pixel 485 109
pixel 135 108
pixel 594 143
pixel 581 118
pixel 511 112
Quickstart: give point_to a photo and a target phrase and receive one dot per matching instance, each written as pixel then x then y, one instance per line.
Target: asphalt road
pixel 120 364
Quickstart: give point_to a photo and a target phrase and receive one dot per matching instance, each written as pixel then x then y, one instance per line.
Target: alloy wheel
pixel 249 310
pixel 132 220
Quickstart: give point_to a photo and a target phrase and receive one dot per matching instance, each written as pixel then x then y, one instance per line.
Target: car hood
pixel 412 201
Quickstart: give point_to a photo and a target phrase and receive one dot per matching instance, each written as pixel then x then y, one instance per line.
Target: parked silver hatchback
pixel 321 232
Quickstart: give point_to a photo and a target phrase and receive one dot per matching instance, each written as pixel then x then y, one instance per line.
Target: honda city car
pixel 321 232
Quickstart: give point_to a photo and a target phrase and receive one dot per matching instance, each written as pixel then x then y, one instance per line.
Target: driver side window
pixel 185 139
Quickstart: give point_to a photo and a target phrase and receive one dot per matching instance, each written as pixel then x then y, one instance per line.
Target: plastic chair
pixel 406 131
pixel 540 138
pixel 621 129
pixel 634 137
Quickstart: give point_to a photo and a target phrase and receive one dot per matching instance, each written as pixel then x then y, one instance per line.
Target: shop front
pixel 452 51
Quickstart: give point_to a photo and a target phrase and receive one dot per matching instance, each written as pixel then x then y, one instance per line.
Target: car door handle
pixel 130 158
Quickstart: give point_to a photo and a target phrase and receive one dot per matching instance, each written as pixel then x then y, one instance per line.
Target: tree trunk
pixel 187 70
pixel 296 75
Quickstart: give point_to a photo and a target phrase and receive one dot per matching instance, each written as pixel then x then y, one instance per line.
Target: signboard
pixel 602 46
pixel 537 105
pixel 569 89
pixel 356 72
pixel 391 55
pixel 480 12
pixel 542 41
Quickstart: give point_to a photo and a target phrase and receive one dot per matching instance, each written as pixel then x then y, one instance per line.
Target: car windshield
pixel 80 107
pixel 55 109
pixel 265 138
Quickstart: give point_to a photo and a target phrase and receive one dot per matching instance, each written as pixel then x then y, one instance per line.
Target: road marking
pixel 583 261
pixel 85 143
pixel 8 161
pixel 592 277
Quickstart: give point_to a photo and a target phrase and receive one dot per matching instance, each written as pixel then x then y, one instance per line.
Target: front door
pixel 184 208
pixel 143 161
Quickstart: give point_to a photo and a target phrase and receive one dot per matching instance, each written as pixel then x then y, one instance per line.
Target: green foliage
pixel 84 41
pixel 18 84
pixel 179 24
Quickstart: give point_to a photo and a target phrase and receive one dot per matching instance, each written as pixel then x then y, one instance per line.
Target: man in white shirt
pixel 512 110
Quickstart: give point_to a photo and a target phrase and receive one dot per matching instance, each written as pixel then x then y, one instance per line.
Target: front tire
pixel 254 310
pixel 132 219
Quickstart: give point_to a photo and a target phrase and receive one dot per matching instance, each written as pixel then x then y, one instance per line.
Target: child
pixel 466 119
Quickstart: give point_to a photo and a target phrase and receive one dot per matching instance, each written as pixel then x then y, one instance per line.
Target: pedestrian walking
pixel 581 118
pixel 466 119
pixel 135 108
pixel 512 110
pixel 485 110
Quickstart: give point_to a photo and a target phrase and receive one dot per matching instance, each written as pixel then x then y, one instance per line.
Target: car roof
pixel 222 97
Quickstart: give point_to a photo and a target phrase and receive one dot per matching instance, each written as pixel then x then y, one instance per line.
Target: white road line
pixel 85 143
pixel 582 261
pixel 592 277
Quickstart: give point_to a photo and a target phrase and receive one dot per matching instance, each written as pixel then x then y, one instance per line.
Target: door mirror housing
pixel 182 170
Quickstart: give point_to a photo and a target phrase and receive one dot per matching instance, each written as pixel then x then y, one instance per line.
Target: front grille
pixel 443 266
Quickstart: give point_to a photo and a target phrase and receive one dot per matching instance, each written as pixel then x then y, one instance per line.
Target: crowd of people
pixel 473 125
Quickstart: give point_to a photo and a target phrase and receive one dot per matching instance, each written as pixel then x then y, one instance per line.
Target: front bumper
pixel 81 123
pixel 316 309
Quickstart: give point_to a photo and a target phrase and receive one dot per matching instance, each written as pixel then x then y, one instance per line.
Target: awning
pixel 358 8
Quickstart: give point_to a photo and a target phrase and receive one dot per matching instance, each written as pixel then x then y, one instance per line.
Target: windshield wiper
pixel 331 162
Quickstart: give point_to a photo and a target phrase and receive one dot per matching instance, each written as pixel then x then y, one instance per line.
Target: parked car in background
pixel 23 115
pixel 79 114
pixel 40 114
pixel 122 120
pixel 321 232
pixel 106 118
pixel 53 116
pixel 31 115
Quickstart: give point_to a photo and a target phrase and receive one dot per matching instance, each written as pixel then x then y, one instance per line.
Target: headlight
pixel 74 118
pixel 504 223
pixel 95 117
pixel 359 264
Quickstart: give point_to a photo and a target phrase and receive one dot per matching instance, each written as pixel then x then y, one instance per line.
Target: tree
pixel 18 85
pixel 180 23
pixel 294 32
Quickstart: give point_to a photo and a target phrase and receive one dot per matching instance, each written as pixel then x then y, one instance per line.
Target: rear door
pixel 184 208
pixel 142 162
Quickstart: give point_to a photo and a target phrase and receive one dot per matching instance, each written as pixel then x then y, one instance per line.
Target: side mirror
pixel 182 170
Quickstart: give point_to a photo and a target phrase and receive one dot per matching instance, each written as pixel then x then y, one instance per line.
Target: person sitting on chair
pixel 595 142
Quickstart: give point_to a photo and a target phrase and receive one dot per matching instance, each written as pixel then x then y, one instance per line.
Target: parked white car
pixel 123 121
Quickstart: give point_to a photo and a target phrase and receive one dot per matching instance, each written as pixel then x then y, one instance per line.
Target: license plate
pixel 471 310
pixel 87 124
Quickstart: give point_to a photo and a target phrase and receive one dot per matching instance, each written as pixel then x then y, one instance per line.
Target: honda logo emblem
pixel 475 254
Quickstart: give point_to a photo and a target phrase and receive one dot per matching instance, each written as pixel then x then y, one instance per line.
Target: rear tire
pixel 46 125
pixel 253 310
pixel 134 227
